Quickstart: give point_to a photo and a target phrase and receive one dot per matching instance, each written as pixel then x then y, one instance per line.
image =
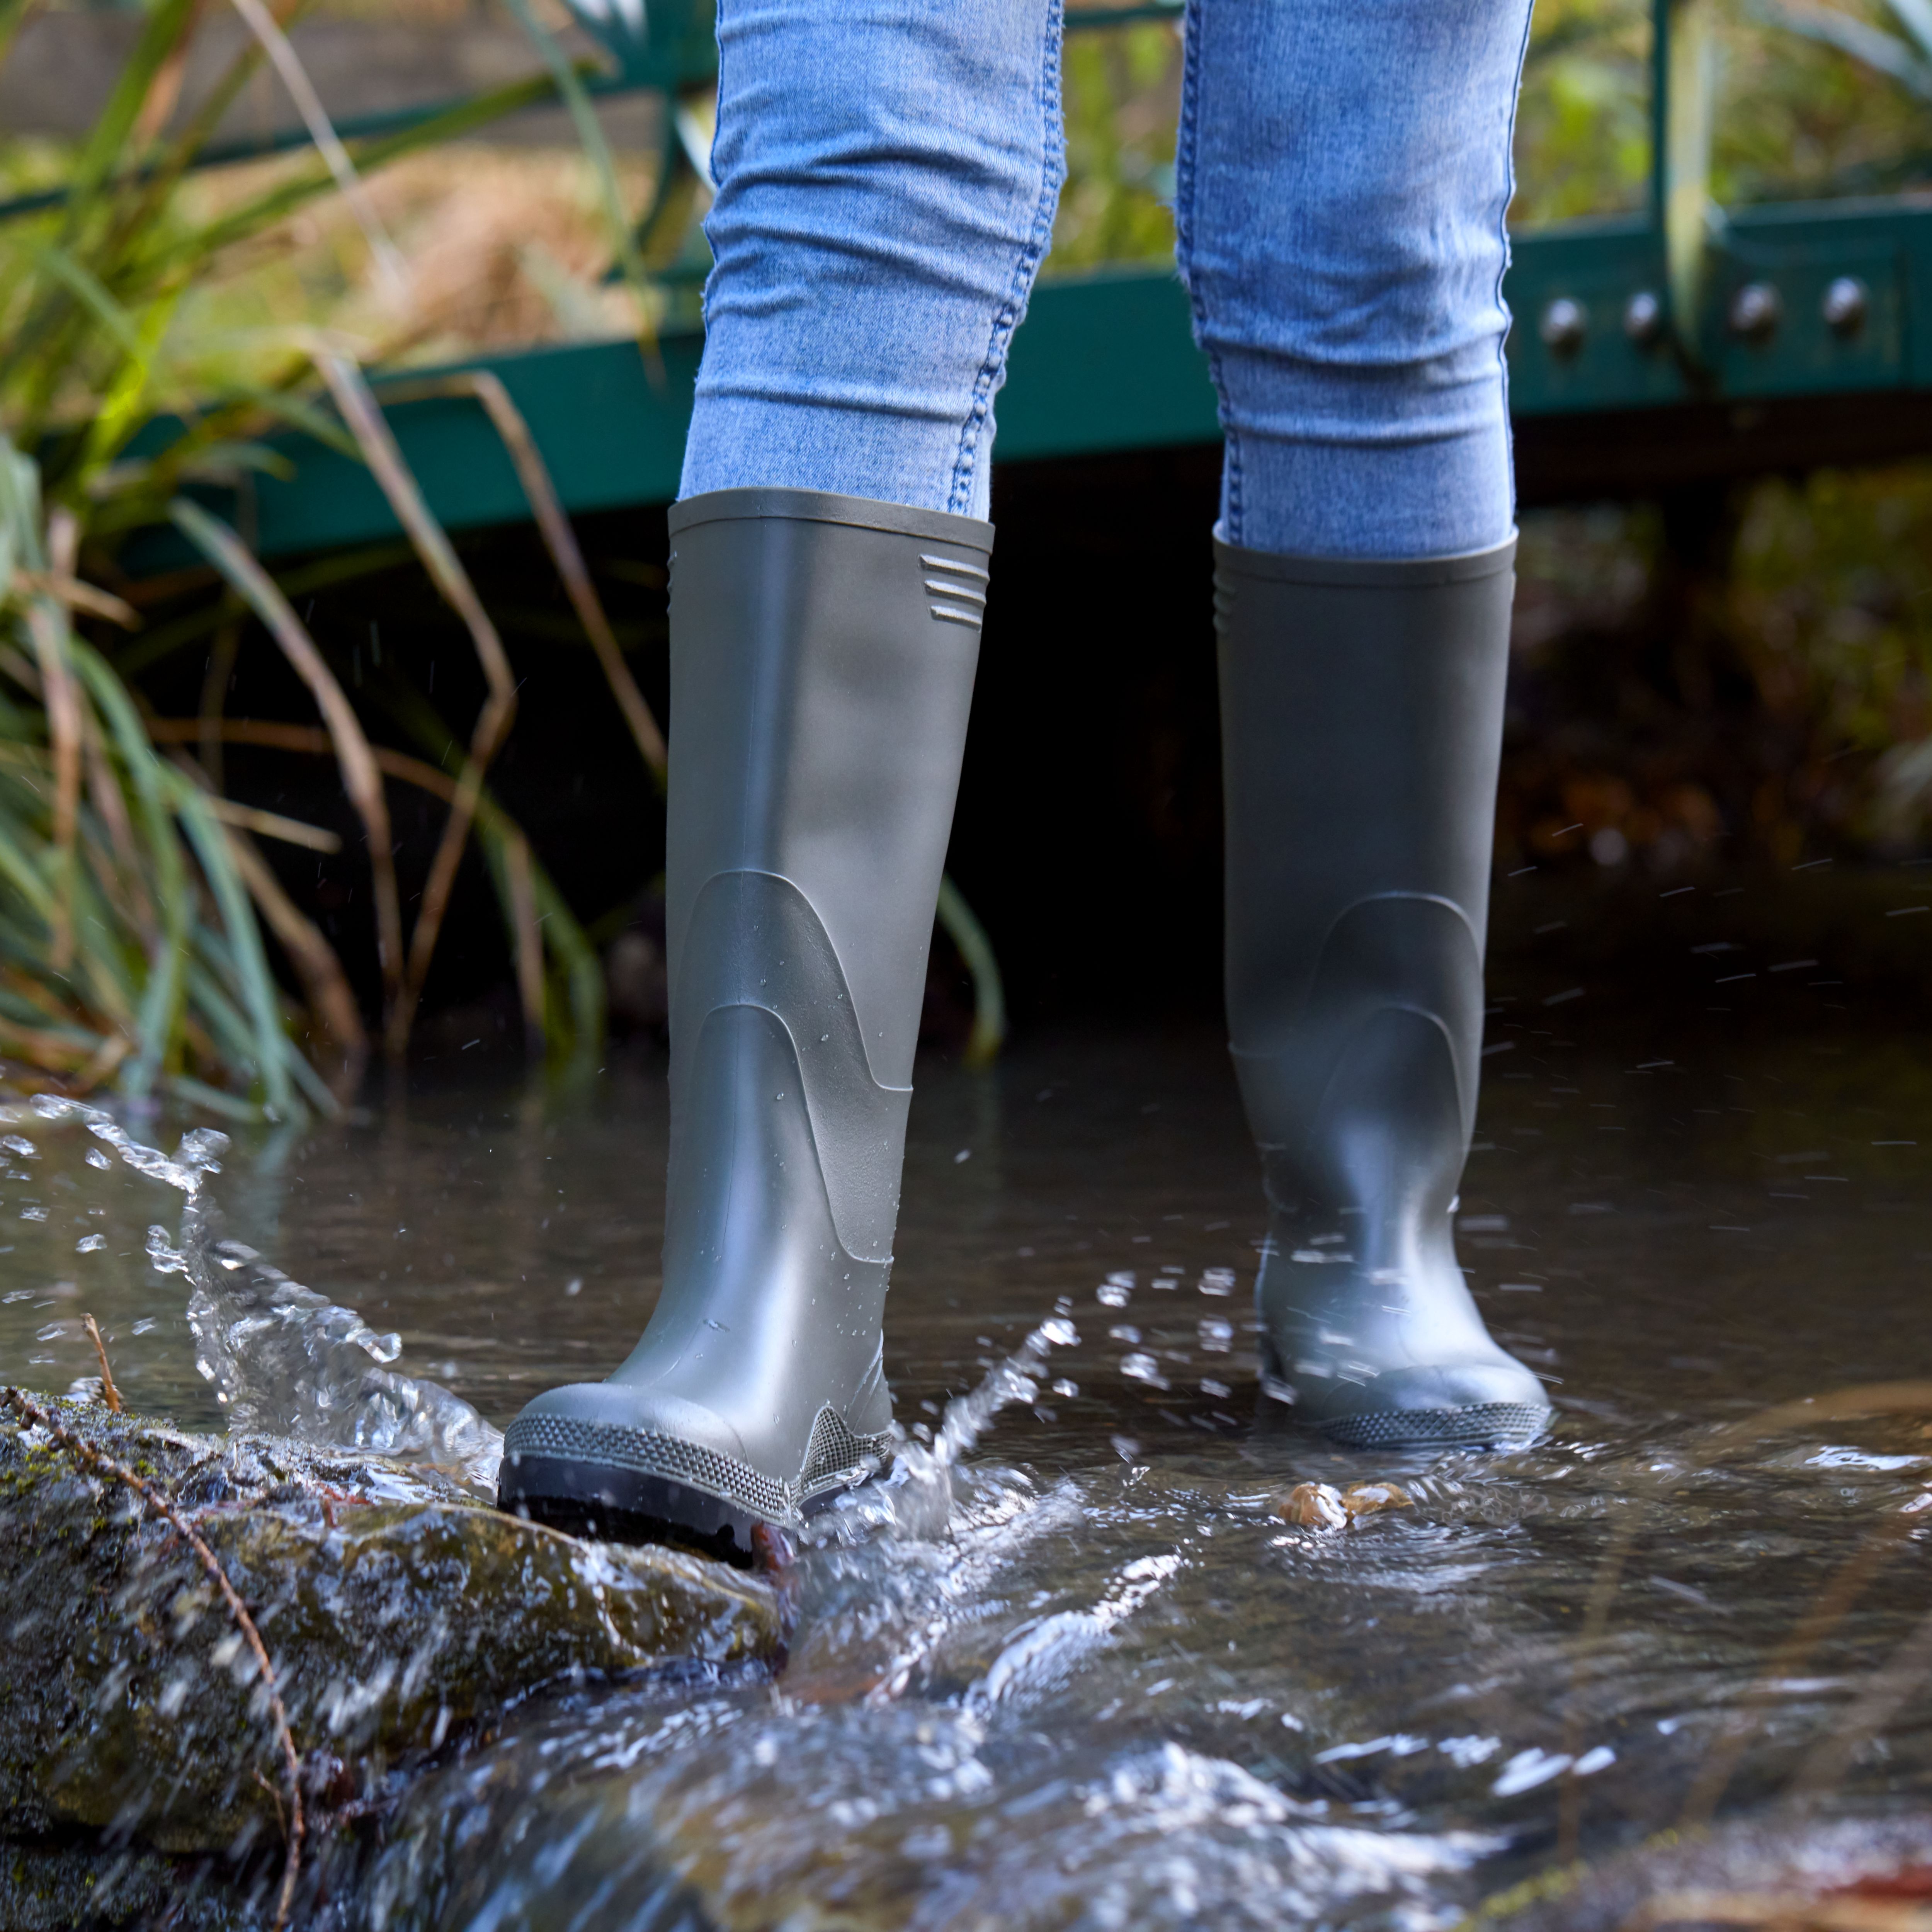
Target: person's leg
pixel 1344 172
pixel 887 174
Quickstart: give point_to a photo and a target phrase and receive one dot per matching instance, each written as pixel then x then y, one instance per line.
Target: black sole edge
pixel 624 1506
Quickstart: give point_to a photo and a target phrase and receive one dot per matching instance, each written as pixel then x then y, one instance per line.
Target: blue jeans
pixel 887 171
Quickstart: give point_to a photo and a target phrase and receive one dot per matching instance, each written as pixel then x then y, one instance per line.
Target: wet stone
pixel 52 1888
pixel 402 1617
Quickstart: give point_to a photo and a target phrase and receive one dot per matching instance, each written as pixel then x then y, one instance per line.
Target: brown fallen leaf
pixel 1321 1506
pixel 1312 1506
pixel 1364 1498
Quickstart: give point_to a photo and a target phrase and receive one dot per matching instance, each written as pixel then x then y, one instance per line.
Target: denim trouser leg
pixel 887 172
pixel 1343 173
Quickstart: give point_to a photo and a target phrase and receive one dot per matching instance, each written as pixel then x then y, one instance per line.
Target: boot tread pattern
pixel 835 1458
pixel 1481 1424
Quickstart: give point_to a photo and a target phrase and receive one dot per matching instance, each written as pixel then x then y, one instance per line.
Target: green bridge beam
pixel 1823 308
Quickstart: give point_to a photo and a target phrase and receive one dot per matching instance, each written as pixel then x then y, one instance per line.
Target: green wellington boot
pixel 823 650
pixel 1361 719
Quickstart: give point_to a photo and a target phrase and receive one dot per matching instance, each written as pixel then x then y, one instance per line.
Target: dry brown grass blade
pixel 558 538
pixel 110 806
pixel 215 683
pixel 372 434
pixel 361 777
pixel 276 737
pixel 425 777
pixel 1884 1695
pixel 164 90
pixel 79 596
pixel 1789 1912
pixel 331 1002
pixel 101 1064
pixel 287 64
pixel 91 1458
pixel 63 541
pixel 1829 1609
pixel 1910 1398
pixel 529 938
pixel 20 671
pixel 109 1394
pixel 273 825
pixel 62 693
pixel 51 1052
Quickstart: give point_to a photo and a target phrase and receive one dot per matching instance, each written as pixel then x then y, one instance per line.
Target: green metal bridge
pixel 1662 351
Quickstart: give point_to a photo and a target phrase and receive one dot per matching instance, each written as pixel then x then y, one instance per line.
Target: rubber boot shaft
pixel 823 653
pixel 1361 716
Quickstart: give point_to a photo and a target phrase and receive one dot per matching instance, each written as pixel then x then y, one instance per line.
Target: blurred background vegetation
pixel 1734 681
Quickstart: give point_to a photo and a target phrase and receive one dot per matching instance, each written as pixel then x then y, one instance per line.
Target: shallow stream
pixel 1121 1690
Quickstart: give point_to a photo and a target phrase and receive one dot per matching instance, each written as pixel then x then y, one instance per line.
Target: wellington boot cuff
pixel 1361 712
pixel 823 650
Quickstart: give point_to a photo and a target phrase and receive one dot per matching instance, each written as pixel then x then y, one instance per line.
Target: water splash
pixel 285 1360
pixel 914 1499
pixel 199 1155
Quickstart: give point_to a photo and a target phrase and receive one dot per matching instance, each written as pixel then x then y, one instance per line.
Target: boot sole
pixel 640 1486
pixel 1490 1425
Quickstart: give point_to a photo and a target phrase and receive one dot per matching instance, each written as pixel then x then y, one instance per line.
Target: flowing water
pixel 1076 1669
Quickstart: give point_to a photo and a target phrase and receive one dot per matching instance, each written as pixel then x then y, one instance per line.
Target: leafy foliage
pixel 130 950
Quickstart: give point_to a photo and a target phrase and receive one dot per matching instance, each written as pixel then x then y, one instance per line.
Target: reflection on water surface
pixel 1123 1691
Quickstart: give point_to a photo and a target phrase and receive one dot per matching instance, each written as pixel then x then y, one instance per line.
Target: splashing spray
pixel 283 1359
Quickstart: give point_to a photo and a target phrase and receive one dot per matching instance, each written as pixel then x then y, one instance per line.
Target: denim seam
pixel 1006 318
pixel 1502 273
pixel 1185 223
pixel 704 221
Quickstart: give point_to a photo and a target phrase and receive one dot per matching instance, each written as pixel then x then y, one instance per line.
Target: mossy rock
pixel 399 1612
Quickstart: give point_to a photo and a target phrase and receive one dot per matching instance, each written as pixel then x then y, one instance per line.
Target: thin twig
pixel 90 1457
pixel 109 1394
